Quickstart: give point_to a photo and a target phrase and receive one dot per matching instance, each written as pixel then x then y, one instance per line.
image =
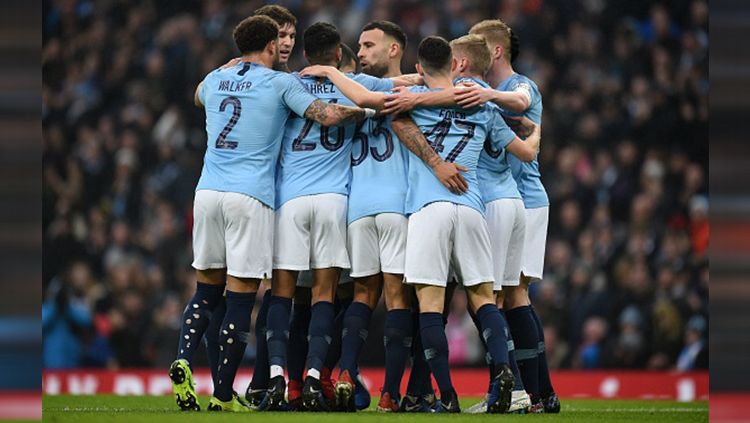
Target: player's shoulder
pixel 282 80
pixel 240 71
pixel 469 79
pixel 362 77
pixel 521 80
pixel 419 88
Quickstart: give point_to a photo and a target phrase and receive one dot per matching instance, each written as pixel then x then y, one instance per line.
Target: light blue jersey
pixel 527 174
pixel 458 136
pixel 316 159
pixel 379 171
pixel 247 106
pixel 493 170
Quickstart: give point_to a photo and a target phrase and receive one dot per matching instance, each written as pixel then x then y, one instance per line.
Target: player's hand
pixel 521 125
pixel 449 174
pixel 469 95
pixel 400 100
pixel 319 71
pixel 233 62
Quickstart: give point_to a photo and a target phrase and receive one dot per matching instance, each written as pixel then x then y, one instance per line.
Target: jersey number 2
pixel 221 140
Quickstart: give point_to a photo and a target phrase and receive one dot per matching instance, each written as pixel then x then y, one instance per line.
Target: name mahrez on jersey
pixel 233 86
pixel 452 114
pixel 325 88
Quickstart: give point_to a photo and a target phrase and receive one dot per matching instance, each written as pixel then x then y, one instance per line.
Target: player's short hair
pixel 434 54
pixel 321 40
pixel 254 33
pixel 280 14
pixel 389 28
pixel 495 32
pixel 475 47
pixel 348 55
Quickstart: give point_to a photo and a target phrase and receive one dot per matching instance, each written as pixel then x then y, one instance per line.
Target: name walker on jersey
pixel 235 87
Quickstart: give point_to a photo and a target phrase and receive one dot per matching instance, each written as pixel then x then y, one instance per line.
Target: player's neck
pixel 438 81
pixel 394 69
pixel 331 63
pixel 259 58
pixel 499 72
pixel 470 75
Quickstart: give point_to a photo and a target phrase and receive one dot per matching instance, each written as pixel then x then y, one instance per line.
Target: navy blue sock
pixel 298 340
pixel 261 370
pixel 196 317
pixel 526 340
pixel 321 334
pixel 335 350
pixel 512 359
pixel 397 338
pixel 545 383
pixel 277 330
pixel 435 345
pixel 211 339
pixel 354 336
pixel 235 332
pixel 487 356
pixel 420 382
pixel 494 333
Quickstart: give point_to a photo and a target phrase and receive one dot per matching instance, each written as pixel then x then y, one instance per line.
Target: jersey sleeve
pixel 523 87
pixel 500 133
pixel 293 93
pixel 374 84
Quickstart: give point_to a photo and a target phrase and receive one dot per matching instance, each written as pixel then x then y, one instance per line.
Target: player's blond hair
pixel 475 47
pixel 496 32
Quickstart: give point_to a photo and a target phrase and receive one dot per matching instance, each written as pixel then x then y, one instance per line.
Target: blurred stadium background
pixel 624 160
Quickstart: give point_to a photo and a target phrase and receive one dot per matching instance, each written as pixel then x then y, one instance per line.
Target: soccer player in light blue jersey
pixel 258 386
pixel 377 223
pixel 518 95
pixel 233 210
pixel 312 185
pixel 506 218
pixel 447 230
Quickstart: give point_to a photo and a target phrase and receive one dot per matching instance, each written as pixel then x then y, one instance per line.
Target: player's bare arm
pixel 403 100
pixel 328 114
pixel 360 95
pixel 353 90
pixel 409 134
pixel 407 80
pixel 232 62
pixel 196 96
pixel 471 95
pixel 522 126
pixel 527 150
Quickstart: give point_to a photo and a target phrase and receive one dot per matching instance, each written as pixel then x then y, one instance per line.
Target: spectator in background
pixel 66 320
pixel 589 353
pixel 695 353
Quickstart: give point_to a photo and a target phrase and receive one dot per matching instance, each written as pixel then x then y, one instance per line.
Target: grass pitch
pixel 112 409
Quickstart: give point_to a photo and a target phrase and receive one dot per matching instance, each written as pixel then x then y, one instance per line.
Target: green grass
pixel 111 409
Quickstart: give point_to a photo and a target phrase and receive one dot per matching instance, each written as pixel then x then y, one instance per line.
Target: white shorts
pixel 305 278
pixel 311 233
pixel 535 241
pixel 378 244
pixel 506 220
pixel 445 236
pixel 232 231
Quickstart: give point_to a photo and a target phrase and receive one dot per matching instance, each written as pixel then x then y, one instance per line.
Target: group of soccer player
pixel 415 190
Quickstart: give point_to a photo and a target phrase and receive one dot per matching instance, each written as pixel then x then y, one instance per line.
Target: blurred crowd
pixel 624 158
